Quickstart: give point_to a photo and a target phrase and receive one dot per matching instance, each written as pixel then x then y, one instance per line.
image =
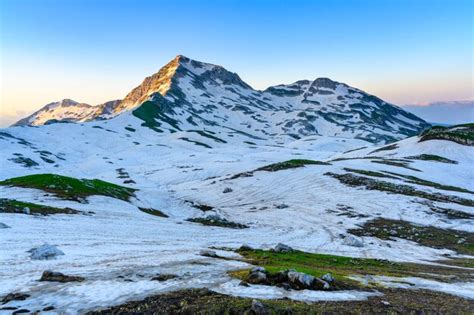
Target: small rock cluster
pixel 288 279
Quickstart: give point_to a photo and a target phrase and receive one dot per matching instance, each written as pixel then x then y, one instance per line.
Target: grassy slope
pixel 70 188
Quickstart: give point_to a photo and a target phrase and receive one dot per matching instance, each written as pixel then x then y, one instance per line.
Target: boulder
pixel 59 277
pixel 351 240
pixel 258 308
pixel 44 252
pixel 208 253
pixel 258 275
pixel 245 247
pixel 328 277
pixel 227 190
pixel 258 268
pixel 301 281
pixel 282 248
pixel 164 277
pixel 26 210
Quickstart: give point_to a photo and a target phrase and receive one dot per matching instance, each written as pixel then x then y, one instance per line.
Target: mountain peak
pixel 180 66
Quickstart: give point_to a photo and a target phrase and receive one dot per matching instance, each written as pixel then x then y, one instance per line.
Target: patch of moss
pixel 218 221
pixel 15 206
pixel 386 148
pixel 396 163
pixel 208 135
pixel 461 134
pixel 280 166
pixel 204 301
pixel 373 184
pixel 70 188
pixel 368 173
pixel 416 180
pixel 430 236
pixel 432 157
pixel 196 142
pixel 295 163
pixel 23 161
pixel 154 212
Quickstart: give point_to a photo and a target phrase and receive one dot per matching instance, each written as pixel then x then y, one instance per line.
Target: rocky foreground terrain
pixel 197 193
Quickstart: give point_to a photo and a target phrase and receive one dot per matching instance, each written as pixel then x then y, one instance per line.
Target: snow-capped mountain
pixel 68 110
pixel 187 95
pixel 194 161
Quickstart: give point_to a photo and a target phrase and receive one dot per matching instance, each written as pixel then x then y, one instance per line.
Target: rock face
pixel 190 95
pixel 45 252
pixel 59 277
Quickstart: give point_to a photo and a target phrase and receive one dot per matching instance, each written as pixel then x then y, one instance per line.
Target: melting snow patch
pixel 462 289
pixel 269 292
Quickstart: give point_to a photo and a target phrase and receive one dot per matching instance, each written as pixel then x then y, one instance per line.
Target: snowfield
pixel 119 248
pixel 214 156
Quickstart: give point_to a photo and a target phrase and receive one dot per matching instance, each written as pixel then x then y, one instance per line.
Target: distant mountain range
pixel 186 94
pixel 448 112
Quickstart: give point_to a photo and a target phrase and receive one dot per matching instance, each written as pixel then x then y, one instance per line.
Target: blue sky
pixel 405 51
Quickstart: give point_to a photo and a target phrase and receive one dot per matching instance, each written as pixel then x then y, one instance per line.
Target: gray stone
pixel 258 308
pixel 59 277
pixel 208 253
pixel 353 241
pixel 282 248
pixel 328 277
pixel 44 252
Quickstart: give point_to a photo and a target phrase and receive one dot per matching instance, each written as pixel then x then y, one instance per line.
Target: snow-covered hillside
pixel 323 201
pixel 194 161
pixel 191 95
pixel 68 111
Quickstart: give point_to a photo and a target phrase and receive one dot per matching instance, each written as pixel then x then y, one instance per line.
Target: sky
pixel 404 51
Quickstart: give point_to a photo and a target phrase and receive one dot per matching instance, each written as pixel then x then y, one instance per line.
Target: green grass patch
pixel 70 188
pixel 341 267
pixel 15 206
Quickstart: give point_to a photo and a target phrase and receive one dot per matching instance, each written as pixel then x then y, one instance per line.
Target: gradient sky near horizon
pixel 404 51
